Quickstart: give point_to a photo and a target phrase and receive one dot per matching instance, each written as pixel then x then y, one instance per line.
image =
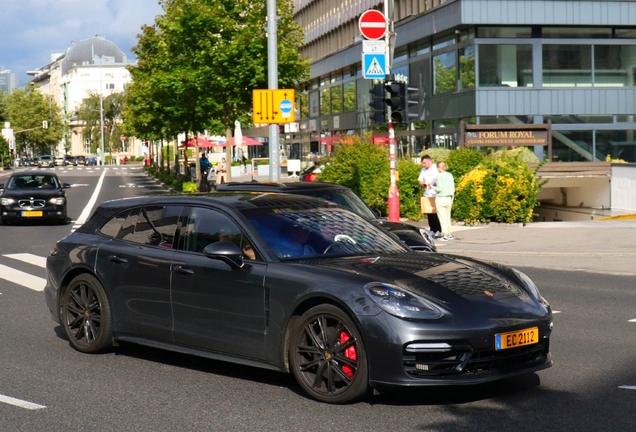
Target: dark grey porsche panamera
pixel 293 284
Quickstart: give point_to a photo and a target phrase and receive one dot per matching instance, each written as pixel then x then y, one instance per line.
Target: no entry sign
pixel 372 24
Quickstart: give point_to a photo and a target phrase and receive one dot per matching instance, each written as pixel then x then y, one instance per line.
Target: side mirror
pixel 225 251
pixel 376 212
pixel 1 186
pixel 66 185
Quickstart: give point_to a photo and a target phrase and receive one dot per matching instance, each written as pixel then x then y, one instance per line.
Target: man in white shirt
pixel 427 179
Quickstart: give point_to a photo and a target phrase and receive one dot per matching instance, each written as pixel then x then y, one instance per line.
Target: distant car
pixel 70 160
pixel 91 160
pixel 292 284
pixel 60 161
pixel 46 161
pixel 416 238
pixel 33 195
pixel 81 160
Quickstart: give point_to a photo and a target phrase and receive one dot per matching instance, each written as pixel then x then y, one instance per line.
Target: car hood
pixel 453 282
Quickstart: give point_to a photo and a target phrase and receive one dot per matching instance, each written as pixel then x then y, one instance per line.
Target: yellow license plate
pixel 516 338
pixel 32 214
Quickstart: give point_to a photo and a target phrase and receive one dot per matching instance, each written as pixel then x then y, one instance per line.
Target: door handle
pixel 183 270
pixel 118 260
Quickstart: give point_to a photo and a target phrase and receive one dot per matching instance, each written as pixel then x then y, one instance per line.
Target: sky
pixel 32 30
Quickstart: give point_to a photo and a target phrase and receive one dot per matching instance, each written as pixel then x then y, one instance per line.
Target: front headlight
pixel 401 303
pixel 6 201
pixel 57 201
pixel 534 291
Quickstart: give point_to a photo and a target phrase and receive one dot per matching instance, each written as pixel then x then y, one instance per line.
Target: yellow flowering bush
pixel 497 190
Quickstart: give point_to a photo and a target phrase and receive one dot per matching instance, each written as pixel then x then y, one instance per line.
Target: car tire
pixel 327 355
pixel 85 315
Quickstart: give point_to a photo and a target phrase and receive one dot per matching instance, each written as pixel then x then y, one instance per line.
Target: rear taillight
pixel 311 177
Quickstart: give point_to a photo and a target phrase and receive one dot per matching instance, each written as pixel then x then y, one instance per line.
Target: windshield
pixel 345 198
pixel 40 181
pixel 320 232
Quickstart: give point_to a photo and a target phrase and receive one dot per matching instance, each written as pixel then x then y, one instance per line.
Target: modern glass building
pixel 568 63
pixel 8 81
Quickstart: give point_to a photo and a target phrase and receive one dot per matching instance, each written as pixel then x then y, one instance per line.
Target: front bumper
pixel 48 212
pixel 436 354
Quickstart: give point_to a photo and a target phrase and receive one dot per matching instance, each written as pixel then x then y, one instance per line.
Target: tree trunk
pixel 228 155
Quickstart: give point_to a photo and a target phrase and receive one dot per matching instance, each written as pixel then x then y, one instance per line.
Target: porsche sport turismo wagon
pixel 293 284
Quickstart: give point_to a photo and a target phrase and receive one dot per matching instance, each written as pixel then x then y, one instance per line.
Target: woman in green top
pixel 445 188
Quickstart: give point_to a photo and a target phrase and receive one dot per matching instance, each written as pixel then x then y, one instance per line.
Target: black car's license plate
pixel 31 214
pixel 516 338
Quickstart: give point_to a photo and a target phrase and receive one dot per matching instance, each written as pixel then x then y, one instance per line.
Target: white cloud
pixel 31 30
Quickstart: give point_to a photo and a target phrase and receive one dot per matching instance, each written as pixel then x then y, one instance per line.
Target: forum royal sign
pixel 505 135
pixel 506 138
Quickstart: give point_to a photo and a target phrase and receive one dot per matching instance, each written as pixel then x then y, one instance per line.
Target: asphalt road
pixel 591 387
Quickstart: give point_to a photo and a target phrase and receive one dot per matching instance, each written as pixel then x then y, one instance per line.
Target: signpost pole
pixel 394 193
pixel 272 77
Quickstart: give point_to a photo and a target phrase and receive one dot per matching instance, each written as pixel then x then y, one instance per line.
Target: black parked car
pixel 292 284
pixel 415 238
pixel 33 195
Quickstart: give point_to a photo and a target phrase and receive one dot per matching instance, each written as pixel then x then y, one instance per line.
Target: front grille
pixel 461 359
pixel 37 203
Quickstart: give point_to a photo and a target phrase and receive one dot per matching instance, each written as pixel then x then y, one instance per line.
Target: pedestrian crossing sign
pixel 373 65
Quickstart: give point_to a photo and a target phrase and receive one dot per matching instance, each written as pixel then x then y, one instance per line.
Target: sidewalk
pixel 596 246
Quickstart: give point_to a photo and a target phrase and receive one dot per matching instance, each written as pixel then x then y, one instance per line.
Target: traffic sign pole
pixel 394 193
pixel 272 78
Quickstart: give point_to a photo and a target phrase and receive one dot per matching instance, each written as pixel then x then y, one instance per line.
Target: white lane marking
pixel 632 320
pixel 21 278
pixel 20 403
pixel 89 206
pixel 627 387
pixel 79 184
pixel 29 258
pixel 556 312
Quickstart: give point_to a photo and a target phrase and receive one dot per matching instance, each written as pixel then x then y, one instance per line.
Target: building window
pixel 467 67
pixel 303 103
pixel 576 32
pixel 505 65
pixel 110 86
pixel 444 73
pixel 350 96
pixel 572 146
pixel 614 65
pixel 567 66
pixel 616 144
pixel 325 101
pixel 336 99
pixel 626 33
pixel 504 32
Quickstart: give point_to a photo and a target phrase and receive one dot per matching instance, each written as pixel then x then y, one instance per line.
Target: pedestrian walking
pixel 445 188
pixel 205 166
pixel 427 179
pixel 221 173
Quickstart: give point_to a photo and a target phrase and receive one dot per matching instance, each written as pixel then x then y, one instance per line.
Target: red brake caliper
pixel 349 353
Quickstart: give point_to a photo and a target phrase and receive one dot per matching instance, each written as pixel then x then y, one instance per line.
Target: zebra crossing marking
pixel 25 279
pixel 29 259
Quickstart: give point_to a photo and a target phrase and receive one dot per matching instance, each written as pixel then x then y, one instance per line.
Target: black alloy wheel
pixel 328 357
pixel 85 315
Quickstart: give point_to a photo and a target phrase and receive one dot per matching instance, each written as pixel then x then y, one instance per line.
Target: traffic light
pixel 400 102
pixel 378 116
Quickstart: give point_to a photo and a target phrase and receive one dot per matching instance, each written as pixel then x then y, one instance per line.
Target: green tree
pixel 3 107
pixel 89 113
pixel 200 60
pixel 26 109
pixel 445 78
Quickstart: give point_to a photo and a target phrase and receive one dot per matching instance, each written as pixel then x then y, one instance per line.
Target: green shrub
pixel 497 190
pixel 437 154
pixel 462 161
pixel 410 189
pixel 177 184
pixel 523 153
pixel 189 187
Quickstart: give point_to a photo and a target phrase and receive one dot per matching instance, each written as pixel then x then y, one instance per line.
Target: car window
pixel 205 226
pixel 113 226
pixel 151 225
pixel 319 232
pixel 33 182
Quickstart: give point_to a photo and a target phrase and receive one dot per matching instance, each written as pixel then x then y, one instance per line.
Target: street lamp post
pixel 101 109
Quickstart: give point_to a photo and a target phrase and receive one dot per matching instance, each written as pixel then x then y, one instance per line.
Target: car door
pixel 135 267
pixel 215 306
